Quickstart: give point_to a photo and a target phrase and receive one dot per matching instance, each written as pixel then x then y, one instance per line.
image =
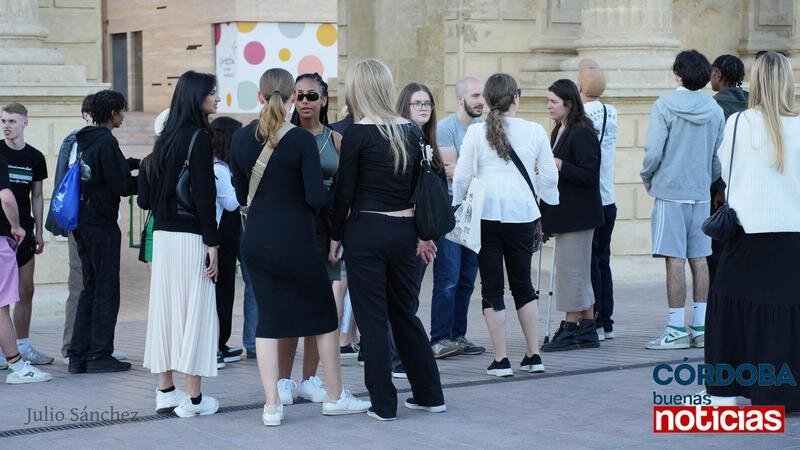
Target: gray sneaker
pixel 445 348
pixel 468 347
pixel 36 357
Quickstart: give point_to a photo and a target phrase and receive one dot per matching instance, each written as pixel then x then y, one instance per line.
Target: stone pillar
pixel 556 25
pixel 767 25
pixel 35 75
pixel 794 41
pixel 632 41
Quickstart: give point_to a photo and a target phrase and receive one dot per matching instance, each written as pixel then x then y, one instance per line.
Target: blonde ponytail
pixel 276 87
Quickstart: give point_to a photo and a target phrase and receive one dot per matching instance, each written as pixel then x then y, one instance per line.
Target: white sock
pixel 699 314
pixel 24 345
pixel 676 317
pixel 17 366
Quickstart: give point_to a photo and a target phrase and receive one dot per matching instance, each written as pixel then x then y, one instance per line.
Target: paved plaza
pixel 599 398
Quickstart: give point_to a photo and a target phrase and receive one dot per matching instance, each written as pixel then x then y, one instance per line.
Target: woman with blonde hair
pixel 373 218
pixel 754 306
pixel 290 283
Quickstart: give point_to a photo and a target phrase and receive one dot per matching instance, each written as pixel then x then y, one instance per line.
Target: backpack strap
pixel 603 133
pixel 257 173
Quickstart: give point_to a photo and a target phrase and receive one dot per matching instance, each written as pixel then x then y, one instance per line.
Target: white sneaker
pixel 286 388
pixel 208 405
pixel 312 390
pixel 119 355
pixel 673 338
pixel 35 357
pixel 28 374
pixel 274 418
pixel 347 404
pixel 3 362
pixel 168 401
pixel 601 335
pixel 66 360
pixel 697 336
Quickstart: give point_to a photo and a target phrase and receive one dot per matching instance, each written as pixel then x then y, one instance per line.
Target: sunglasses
pixel 311 96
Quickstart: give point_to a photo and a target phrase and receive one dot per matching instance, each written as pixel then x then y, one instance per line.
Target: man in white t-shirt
pixel 592 84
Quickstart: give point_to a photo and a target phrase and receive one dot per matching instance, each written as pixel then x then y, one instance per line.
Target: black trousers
pixel 512 242
pixel 602 282
pixel 98 305
pixel 383 277
pixel 230 227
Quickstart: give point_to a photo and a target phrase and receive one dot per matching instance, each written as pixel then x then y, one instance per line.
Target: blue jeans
pixel 250 313
pixel 454 272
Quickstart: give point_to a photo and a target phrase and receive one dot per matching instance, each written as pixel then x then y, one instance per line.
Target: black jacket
pixel 580 206
pixel 158 192
pixel 111 177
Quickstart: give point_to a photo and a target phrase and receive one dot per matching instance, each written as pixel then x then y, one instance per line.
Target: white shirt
pixel 765 200
pixel 608 146
pixel 226 194
pixel 508 197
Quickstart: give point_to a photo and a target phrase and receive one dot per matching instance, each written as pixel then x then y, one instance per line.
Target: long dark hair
pixel 499 92
pixel 567 91
pixel 222 129
pixel 186 107
pixel 429 129
pixel 323 88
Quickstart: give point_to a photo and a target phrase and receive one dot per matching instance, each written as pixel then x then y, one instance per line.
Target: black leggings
pixel 512 242
pixel 230 227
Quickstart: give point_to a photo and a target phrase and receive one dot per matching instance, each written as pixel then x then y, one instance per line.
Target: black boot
pixel 587 334
pixel 565 338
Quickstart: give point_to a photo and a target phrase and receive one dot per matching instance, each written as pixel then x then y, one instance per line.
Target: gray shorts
pixel 677 229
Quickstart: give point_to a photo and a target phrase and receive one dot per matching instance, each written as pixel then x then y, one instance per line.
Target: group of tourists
pixel 322 219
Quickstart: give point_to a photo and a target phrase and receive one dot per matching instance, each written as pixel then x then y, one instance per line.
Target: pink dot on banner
pixel 254 52
pixel 217 33
pixel 310 64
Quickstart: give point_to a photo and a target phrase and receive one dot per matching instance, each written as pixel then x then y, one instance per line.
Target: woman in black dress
pixel 289 280
pixel 374 216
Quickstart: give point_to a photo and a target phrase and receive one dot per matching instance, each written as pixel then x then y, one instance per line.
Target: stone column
pixel 35 75
pixel 632 41
pixel 794 41
pixel 555 28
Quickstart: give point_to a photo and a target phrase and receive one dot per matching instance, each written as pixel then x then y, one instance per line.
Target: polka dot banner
pixel 244 50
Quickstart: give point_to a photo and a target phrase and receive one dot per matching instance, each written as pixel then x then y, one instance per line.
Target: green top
pixel 328 156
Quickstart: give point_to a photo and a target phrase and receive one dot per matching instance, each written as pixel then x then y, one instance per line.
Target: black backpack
pixel 434 215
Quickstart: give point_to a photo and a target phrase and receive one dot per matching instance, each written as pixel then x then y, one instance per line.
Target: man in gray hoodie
pixel 680 163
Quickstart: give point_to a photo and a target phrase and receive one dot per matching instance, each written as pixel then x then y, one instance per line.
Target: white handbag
pixel 467 231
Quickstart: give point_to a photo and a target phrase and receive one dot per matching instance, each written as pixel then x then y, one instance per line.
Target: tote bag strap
pixel 257 173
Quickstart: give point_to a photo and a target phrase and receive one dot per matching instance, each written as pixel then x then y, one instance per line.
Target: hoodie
pixel 732 100
pixel 110 179
pixel 680 152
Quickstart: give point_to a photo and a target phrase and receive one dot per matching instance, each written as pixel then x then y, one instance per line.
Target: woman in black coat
pixel 580 210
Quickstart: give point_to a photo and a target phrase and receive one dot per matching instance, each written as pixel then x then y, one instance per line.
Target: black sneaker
pixel 412 404
pixel 360 358
pixel 565 338
pixel 231 354
pixel 349 350
pixel 106 364
pixel 587 334
pixel 500 368
pixel 220 361
pixel 532 364
pixel 76 365
pixel 399 372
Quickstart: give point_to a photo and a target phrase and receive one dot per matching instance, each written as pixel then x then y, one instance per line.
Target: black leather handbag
pixel 434 215
pixel 183 190
pixel 721 226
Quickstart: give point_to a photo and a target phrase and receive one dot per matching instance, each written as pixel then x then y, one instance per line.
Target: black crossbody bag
pixel 537 224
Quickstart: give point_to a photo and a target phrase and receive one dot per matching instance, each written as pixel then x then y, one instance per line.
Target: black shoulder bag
pixel 537 232
pixel 183 190
pixel 721 226
pixel 434 215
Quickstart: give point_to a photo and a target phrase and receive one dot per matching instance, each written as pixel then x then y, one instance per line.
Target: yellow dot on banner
pixel 326 34
pixel 285 54
pixel 229 99
pixel 245 27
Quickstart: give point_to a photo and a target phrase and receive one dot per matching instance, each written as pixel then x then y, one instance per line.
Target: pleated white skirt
pixel 182 324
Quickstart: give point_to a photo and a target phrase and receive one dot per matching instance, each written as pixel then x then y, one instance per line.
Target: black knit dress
pixel 290 283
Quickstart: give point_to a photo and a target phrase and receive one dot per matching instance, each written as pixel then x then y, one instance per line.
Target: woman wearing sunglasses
pixel 311 113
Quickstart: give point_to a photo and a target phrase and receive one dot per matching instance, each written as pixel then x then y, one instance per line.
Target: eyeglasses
pixel 421 106
pixel 311 96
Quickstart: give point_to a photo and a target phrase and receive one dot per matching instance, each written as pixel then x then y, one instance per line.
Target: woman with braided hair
pixel 499 149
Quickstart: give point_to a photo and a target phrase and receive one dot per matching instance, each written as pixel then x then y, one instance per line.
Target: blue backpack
pixel 66 202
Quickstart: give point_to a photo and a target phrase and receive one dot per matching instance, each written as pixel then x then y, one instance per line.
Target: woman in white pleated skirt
pixel 182 323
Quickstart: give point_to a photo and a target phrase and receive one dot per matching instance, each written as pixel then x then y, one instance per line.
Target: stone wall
pixel 75 28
